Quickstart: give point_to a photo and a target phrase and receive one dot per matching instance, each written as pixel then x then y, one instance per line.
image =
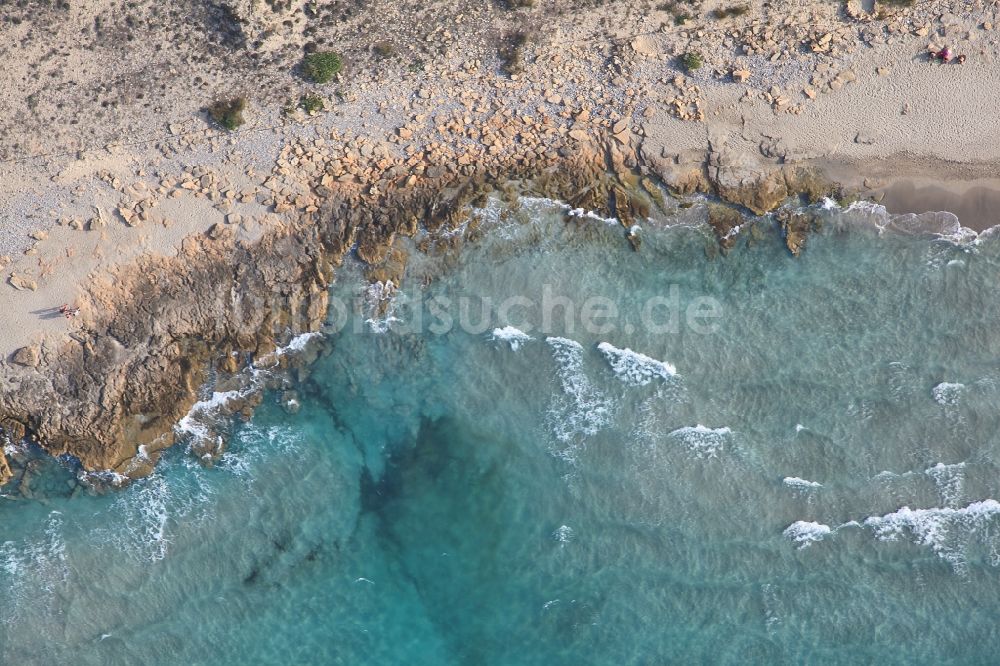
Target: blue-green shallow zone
pixel 448 499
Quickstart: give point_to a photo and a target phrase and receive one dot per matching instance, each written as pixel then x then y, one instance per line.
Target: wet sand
pixel 976 203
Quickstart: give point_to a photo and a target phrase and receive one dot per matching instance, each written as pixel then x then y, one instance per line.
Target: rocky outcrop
pixel 684 171
pixel 743 178
pixel 795 229
pixel 5 471
pixel 153 330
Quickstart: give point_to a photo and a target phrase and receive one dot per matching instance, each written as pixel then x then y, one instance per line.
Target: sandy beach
pixel 113 186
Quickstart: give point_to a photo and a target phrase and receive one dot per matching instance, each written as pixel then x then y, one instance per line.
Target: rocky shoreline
pixel 119 385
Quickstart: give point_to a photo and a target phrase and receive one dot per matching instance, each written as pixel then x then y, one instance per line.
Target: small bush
pixel 517 4
pixel 384 49
pixel 228 112
pixel 680 15
pixel 321 66
pixel 311 103
pixel 735 10
pixel 692 60
pixel 512 52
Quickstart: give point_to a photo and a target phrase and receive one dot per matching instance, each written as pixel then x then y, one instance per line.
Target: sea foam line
pixel 572 212
pixel 193 424
pixel 582 409
pixel 796 482
pixel 945 530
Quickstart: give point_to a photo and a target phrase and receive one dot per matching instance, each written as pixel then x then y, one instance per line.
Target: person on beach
pixel 944 55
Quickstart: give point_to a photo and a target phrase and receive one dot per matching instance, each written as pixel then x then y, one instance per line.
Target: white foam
pixel 140 520
pixel 799 427
pixel 572 212
pixel 949 480
pixel 380 299
pixel 564 534
pixel 106 477
pixel 806 533
pixel 702 440
pixel 943 529
pixel 193 424
pixel 298 343
pixel 634 368
pixel 796 482
pixel 582 409
pixel 254 445
pixel 34 571
pixel 515 337
pixel 947 393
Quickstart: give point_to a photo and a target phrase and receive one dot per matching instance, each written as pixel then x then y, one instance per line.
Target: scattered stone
pixel 27 356
pixel 864 139
pixel 22 282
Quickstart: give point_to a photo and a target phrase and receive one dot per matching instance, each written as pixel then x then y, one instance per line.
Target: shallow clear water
pixel 732 492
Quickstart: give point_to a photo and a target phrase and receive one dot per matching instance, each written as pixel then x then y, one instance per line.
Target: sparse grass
pixel 692 60
pixel 416 66
pixel 321 66
pixel 727 12
pixel 311 103
pixel 384 49
pixel 516 4
pixel 898 3
pixel 228 113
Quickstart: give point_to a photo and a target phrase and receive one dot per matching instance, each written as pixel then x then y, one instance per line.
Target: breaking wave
pixel 806 533
pixel 634 368
pixel 947 393
pixel 701 440
pixel 943 529
pixel 515 337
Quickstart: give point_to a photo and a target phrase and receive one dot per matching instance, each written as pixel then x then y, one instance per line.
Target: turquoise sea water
pixel 799 466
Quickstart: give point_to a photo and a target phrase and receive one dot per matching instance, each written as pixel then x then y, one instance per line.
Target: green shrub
pixel 692 60
pixel 228 112
pixel 311 103
pixel 321 66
